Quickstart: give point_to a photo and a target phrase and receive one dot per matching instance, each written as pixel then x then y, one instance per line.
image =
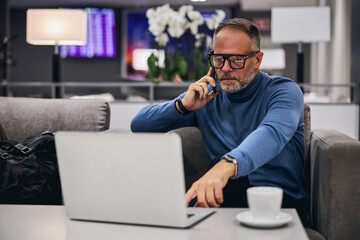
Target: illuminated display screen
pixel 101 40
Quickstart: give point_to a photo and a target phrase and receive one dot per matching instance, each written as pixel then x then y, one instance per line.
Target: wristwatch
pixel 232 160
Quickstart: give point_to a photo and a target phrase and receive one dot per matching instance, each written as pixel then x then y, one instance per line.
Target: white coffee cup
pixel 264 202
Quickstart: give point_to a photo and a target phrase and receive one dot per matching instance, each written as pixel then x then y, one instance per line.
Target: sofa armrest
pixel 335 192
pixel 194 154
pixel 22 117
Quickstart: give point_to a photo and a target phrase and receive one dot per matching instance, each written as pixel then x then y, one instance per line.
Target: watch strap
pixel 233 160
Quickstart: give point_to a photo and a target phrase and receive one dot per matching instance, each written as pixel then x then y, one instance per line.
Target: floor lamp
pixel 300 25
pixel 56 27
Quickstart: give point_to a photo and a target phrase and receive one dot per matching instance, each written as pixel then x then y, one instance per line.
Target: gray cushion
pixel 194 154
pixel 313 235
pixel 22 117
pixel 335 165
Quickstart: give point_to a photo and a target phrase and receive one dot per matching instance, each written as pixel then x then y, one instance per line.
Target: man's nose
pixel 226 67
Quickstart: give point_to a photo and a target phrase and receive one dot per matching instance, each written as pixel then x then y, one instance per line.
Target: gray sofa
pixel 23 117
pixel 333 174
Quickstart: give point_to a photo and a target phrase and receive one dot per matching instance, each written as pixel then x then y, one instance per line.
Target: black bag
pixel 29 172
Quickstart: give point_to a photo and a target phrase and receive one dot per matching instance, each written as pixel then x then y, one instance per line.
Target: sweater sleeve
pixel 160 118
pixel 276 129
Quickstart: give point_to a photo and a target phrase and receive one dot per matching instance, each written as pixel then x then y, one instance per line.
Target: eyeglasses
pixel 236 61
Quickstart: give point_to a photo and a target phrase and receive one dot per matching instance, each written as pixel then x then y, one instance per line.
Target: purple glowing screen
pixel 101 40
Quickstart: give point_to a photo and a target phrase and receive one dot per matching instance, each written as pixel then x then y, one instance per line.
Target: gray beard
pixel 241 84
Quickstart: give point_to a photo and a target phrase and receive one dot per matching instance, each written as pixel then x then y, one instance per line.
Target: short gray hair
pixel 244 25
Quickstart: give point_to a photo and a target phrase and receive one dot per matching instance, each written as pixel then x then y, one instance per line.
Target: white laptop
pixel 125 178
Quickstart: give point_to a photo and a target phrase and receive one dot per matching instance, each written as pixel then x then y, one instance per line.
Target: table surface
pixel 51 223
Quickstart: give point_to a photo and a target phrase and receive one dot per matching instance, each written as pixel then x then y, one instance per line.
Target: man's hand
pixel 208 189
pixel 197 94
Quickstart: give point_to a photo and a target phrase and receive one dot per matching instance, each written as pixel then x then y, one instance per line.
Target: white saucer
pixel 248 219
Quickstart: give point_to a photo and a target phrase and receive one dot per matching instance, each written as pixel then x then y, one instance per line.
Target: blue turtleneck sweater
pixel 261 126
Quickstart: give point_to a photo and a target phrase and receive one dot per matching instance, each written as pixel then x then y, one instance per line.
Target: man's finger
pixel 190 195
pixel 201 197
pixel 210 72
pixel 219 195
pixel 197 88
pixel 210 197
pixel 212 79
pixel 205 88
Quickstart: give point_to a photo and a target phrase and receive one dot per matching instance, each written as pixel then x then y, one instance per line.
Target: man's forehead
pixel 232 29
pixel 231 33
pixel 232 40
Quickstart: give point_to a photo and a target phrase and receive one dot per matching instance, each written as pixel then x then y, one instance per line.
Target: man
pixel 252 126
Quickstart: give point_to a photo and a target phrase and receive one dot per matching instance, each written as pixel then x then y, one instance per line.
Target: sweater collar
pixel 246 93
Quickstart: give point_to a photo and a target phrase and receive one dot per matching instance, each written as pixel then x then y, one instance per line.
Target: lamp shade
pixel 56 26
pixel 300 24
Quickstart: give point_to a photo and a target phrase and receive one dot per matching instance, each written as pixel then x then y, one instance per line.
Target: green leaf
pixel 154 69
pixel 180 66
pixel 200 68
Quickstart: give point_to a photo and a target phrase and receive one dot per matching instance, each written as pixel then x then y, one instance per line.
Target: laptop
pixel 125 178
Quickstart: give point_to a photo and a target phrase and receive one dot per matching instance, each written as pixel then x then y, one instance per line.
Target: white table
pixel 51 223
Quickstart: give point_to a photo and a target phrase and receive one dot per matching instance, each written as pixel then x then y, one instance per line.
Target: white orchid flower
pixel 166 17
pixel 162 9
pixel 218 18
pixel 183 10
pixel 159 18
pixel 193 28
pixel 197 43
pixel 199 36
pixel 150 13
pixel 199 39
pixel 220 15
pixel 195 16
pixel 177 25
pixel 162 39
pixel 156 26
pixel 156 30
pixel 209 42
pixel 176 30
pixel 210 23
pixel 177 22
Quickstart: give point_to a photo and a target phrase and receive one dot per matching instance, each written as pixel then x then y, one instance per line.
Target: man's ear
pixel 258 59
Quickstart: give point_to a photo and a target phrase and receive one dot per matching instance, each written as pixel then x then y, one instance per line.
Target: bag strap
pixel 30 143
pixel 4 155
pixel 6 149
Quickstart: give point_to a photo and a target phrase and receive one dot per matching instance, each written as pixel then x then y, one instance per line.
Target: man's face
pixel 234 41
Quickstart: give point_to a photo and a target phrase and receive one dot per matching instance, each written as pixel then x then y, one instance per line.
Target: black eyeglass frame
pixel 227 56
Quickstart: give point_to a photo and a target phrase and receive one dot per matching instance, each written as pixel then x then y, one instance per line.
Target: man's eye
pixel 237 59
pixel 219 59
